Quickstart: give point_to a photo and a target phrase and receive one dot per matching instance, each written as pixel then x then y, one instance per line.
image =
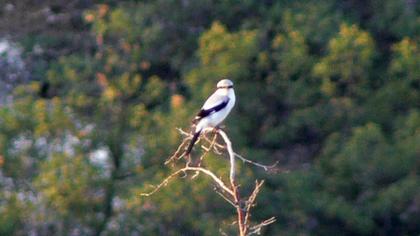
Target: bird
pixel 216 108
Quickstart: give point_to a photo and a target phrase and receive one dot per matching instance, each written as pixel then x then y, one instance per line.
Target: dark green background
pixel 329 88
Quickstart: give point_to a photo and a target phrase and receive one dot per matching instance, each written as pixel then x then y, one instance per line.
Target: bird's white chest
pixel 216 118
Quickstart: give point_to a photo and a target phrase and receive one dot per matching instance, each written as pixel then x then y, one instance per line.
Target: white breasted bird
pixel 216 108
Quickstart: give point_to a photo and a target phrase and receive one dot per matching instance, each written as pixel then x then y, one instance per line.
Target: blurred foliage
pixel 330 89
pixel 349 57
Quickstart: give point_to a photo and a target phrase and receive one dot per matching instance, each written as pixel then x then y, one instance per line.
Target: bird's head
pixel 225 84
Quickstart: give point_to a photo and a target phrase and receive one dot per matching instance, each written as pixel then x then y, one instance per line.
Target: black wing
pixel 205 112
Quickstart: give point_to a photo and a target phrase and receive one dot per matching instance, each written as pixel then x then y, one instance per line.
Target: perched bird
pixel 214 110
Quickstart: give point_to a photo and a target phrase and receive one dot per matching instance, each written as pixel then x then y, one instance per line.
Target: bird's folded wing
pixel 213 104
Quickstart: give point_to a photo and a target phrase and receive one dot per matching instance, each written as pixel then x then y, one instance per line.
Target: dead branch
pixel 232 172
pixel 230 194
pixel 232 176
pixel 265 167
pixel 257 228
pixel 251 200
pixel 212 143
pixel 225 197
pixel 179 153
pixel 217 145
pixel 217 180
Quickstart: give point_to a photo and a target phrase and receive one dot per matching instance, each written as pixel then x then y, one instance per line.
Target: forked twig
pixel 251 200
pixel 217 145
pixel 207 150
pixel 229 193
pixel 265 167
pixel 257 228
pixel 179 153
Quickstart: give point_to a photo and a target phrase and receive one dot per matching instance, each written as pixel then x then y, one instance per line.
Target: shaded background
pixel 91 93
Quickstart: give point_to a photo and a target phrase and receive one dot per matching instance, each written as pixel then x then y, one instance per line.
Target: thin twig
pixel 230 194
pixel 251 200
pixel 222 233
pixel 257 228
pixel 184 133
pixel 217 180
pixel 162 184
pixel 209 148
pixel 179 150
pixel 265 167
pixel 225 197
pixel 218 145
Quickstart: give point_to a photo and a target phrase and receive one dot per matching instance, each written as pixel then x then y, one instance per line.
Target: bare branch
pixel 217 180
pixel 225 197
pixel 218 145
pixel 222 233
pixel 257 228
pixel 162 184
pixel 231 156
pixel 251 200
pixel 230 194
pixel 208 149
pixel 184 133
pixel 265 167
pixel 179 153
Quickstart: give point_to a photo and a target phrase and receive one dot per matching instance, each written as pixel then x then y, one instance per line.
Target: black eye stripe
pixel 230 86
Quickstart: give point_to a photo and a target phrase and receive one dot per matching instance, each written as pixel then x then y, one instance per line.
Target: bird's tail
pixel 193 140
